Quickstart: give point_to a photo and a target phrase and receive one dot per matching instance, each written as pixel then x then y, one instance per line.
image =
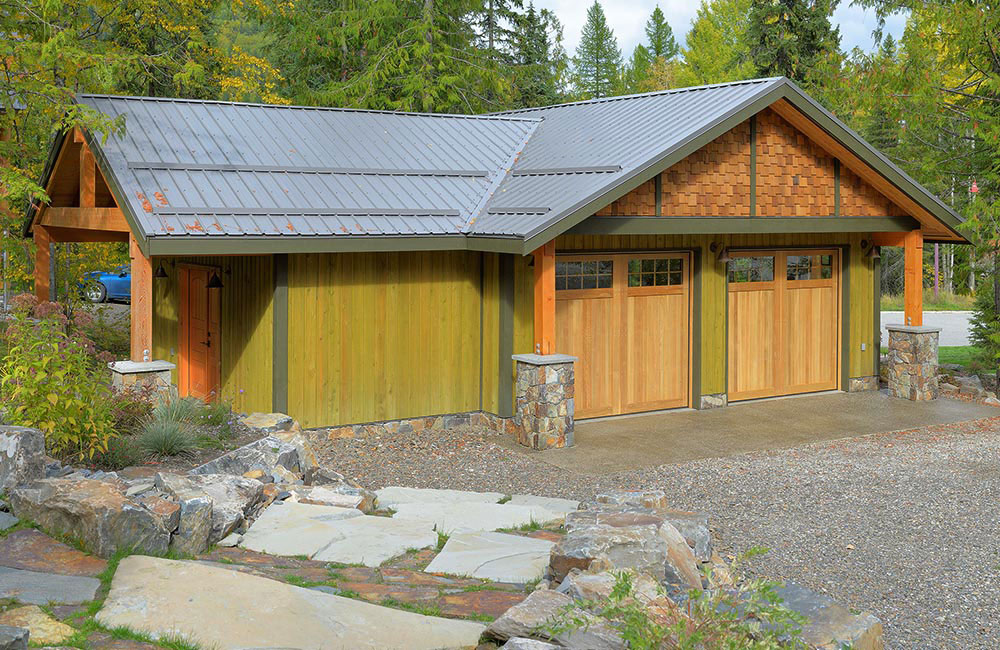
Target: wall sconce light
pixel 873 253
pixel 721 252
pixel 214 282
pixel 160 272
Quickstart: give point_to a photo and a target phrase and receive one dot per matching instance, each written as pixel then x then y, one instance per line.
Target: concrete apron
pixel 630 442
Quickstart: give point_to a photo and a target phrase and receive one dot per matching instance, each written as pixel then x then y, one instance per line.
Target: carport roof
pixel 215 177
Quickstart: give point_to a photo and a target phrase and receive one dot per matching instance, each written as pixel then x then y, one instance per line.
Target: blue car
pixel 98 286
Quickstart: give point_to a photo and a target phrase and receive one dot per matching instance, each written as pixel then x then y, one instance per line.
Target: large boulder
pixel 692 525
pixel 96 512
pixel 830 626
pixel 264 454
pixel 341 495
pixel 268 423
pixel 233 499
pixel 536 614
pixel 640 539
pixel 22 456
pixel 582 585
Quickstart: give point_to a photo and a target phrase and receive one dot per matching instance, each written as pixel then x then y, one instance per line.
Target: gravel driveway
pixel 906 525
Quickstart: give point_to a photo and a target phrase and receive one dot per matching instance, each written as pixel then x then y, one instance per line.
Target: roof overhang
pixel 739 225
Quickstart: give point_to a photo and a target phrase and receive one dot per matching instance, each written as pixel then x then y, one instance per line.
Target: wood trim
pixel 913 278
pixel 505 347
pixel 89 218
pixel 88 178
pixel 279 338
pixel 635 225
pixel 753 165
pixel 545 298
pixel 43 262
pixel 62 235
pixel 817 134
pixel 183 376
pixel 889 238
pixel 836 187
pixel 141 304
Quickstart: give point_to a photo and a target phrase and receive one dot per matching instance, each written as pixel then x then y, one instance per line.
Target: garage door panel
pixel 812 338
pixel 784 327
pixel 751 343
pixel 583 330
pixel 625 317
pixel 657 351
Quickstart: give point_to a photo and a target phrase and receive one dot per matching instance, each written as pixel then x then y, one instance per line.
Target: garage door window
pixel 595 274
pixel 655 272
pixel 751 269
pixel 809 267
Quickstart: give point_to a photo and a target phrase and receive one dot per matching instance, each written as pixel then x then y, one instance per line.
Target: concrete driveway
pixel 632 442
pixel 954 325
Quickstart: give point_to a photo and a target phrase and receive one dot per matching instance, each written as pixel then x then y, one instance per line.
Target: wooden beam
pixel 733 225
pixel 545 298
pixel 63 235
pixel 142 303
pixel 505 346
pixel 42 263
pixel 871 176
pixel 107 219
pixel 88 178
pixel 889 238
pixel 913 278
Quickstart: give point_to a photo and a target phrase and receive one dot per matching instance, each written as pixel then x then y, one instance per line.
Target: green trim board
pixel 753 165
pixel 505 349
pixel 211 245
pixel 739 225
pixel 836 187
pixel 845 316
pixel 877 312
pixel 279 337
pixel 695 327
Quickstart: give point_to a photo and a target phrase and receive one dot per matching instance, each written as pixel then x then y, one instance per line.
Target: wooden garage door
pixel 626 318
pixel 784 322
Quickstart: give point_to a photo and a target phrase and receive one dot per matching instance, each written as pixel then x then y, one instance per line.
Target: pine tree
pixel 598 59
pixel 662 43
pixel 717 47
pixel 638 68
pixel 792 38
pixel 539 58
pixel 497 24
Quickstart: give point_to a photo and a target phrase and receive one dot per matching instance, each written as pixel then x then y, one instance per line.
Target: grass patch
pixel 524 528
pixel 299 581
pixel 442 540
pixel 506 499
pixel 944 302
pixel 426 610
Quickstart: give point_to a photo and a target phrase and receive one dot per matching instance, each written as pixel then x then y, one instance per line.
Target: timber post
pixel 913 286
pixel 142 303
pixel 545 298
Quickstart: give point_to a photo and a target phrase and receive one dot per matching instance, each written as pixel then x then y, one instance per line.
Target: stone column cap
pixel 134 367
pixel 912 329
pixel 544 359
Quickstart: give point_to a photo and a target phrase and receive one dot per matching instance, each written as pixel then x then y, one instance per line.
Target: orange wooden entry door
pixel 784 322
pixel 199 333
pixel 626 317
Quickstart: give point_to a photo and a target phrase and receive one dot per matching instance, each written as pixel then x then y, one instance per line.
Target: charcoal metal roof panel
pixel 194 168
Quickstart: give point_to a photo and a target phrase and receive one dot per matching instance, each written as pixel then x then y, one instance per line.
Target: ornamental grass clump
pixel 51 380
pixel 164 438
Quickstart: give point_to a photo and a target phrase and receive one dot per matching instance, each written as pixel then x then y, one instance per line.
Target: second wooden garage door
pixel 784 322
pixel 626 318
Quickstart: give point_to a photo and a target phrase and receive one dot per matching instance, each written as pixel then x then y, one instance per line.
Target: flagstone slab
pixel 33 550
pixel 372 540
pixel 229 610
pixel 42 588
pixel 296 528
pixel 42 628
pixel 552 504
pixel 465 517
pixel 493 556
pixel 390 497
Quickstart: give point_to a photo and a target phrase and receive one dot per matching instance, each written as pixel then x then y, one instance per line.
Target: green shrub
pixel 131 408
pixel 164 438
pixel 122 452
pixel 51 381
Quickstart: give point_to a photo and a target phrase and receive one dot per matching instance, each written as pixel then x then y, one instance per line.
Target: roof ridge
pixel 668 91
pixel 338 109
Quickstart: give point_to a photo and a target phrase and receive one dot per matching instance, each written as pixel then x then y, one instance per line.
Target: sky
pixel 628 18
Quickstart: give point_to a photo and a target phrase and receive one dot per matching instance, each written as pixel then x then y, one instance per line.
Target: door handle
pixel 207 344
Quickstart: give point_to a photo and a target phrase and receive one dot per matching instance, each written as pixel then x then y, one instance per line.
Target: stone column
pixel 138 374
pixel 543 413
pixel 912 362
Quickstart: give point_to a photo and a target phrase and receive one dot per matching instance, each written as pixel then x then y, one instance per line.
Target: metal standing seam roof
pixel 197 170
